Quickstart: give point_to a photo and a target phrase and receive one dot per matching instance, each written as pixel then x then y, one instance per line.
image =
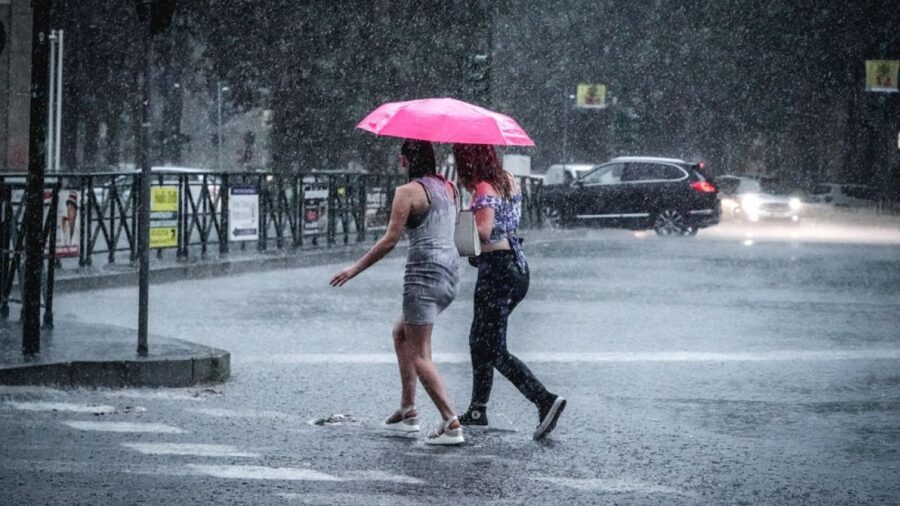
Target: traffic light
pixel 477 76
pixel 161 12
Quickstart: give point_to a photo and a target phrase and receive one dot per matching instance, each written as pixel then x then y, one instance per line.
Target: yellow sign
pixel 591 96
pixel 163 237
pixel 164 198
pixel 881 75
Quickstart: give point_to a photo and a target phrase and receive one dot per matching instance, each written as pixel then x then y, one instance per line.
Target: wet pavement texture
pixel 727 369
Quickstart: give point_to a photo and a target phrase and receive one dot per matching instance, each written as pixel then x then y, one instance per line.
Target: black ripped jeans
pixel 500 287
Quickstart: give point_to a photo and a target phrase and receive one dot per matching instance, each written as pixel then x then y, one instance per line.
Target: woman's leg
pixel 419 337
pixel 504 286
pixel 406 361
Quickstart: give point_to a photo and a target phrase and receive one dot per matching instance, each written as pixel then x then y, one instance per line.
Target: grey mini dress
pixel 431 280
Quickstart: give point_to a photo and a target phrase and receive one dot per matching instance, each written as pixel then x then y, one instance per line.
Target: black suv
pixel 668 195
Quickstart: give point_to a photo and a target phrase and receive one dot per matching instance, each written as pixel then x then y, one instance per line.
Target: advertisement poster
pixel 591 96
pixel 68 228
pixel 378 209
pixel 243 214
pixel 881 75
pixel 163 217
pixel 315 210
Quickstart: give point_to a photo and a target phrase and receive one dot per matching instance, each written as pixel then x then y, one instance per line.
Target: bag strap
pixel 457 198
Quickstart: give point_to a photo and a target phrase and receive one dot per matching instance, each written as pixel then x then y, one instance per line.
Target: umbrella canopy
pixel 445 120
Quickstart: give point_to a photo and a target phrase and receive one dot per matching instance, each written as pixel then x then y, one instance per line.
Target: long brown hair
pixel 479 162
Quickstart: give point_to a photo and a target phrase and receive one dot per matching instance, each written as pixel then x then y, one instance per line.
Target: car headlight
pixel 795 204
pixel 750 203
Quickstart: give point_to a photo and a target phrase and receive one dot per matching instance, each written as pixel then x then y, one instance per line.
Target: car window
pixel 727 185
pixel 606 174
pixel 859 192
pixel 749 186
pixel 554 176
pixel 651 172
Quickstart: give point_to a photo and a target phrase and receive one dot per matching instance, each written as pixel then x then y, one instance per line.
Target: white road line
pixel 244 413
pixel 196 450
pixel 375 475
pixel 616 486
pixel 158 428
pixel 563 357
pixel 263 473
pixel 61 406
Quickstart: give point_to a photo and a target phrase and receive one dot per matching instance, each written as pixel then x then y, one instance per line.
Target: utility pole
pixel 34 189
pixel 144 7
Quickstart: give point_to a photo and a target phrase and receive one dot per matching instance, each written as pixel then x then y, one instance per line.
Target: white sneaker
pixel 404 423
pixel 444 435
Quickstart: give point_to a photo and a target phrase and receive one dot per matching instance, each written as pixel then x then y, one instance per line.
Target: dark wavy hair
pixel 420 156
pixel 479 162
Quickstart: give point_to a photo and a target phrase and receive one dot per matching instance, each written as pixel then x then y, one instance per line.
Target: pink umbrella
pixel 445 120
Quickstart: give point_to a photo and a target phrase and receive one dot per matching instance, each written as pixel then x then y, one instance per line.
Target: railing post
pixel 51 257
pixel 183 220
pixel 330 202
pixel 111 198
pixel 5 236
pixel 362 195
pixel 224 194
pixel 262 242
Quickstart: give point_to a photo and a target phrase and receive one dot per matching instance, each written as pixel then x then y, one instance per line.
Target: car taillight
pixel 703 186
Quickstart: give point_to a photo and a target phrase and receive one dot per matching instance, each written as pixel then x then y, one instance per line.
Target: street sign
pixel 243 214
pixel 163 217
pixel 591 96
pixel 881 75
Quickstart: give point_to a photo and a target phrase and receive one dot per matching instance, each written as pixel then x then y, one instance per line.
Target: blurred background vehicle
pixel 844 195
pixel 751 199
pixel 556 182
pixel 671 196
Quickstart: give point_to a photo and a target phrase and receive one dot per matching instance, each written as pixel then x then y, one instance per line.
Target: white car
pixel 746 198
pixel 844 195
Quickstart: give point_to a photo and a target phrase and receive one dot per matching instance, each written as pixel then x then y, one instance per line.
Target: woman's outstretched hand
pixel 344 275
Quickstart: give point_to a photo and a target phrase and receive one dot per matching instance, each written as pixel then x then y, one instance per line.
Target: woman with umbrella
pixel 502 283
pixel 426 209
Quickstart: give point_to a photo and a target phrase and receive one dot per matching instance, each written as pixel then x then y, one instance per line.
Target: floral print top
pixel 507 213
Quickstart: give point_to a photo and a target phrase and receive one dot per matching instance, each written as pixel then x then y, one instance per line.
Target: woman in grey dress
pixel 425 208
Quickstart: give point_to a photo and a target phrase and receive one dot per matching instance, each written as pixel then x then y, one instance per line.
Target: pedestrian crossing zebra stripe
pixel 126 427
pixel 189 449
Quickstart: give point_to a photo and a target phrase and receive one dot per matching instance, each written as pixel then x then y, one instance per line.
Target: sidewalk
pixel 79 355
pixel 102 356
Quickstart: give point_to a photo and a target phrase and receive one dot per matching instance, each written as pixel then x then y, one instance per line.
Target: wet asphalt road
pixel 724 369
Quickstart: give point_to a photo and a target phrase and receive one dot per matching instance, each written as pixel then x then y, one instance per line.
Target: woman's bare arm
pixel 400 210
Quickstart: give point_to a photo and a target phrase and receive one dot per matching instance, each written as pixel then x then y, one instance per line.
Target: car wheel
pixel 671 223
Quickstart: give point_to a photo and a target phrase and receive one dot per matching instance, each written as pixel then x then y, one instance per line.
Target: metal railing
pixel 297 211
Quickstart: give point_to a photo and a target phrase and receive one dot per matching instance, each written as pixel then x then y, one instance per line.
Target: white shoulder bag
pixel 466 233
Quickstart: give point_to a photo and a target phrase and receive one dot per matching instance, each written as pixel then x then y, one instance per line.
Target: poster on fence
pixel 163 217
pixel 315 209
pixel 68 226
pixel 378 209
pixel 243 213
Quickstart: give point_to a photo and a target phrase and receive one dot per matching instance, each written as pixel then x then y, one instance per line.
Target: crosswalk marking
pixel 244 413
pixel 196 450
pixel 377 475
pixel 612 485
pixel 158 428
pixel 263 473
pixel 60 406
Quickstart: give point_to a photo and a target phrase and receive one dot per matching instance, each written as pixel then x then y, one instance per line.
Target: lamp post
pixel 219 90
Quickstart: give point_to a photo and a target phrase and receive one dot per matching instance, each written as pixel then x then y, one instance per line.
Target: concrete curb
pixel 149 372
